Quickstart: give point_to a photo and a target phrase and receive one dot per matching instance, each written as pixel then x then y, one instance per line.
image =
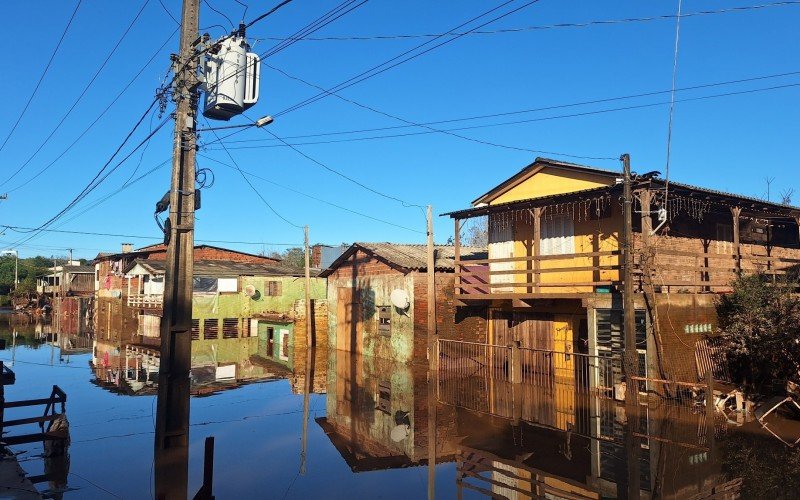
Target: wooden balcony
pixel 585 274
pixel 146 301
pixel 543 276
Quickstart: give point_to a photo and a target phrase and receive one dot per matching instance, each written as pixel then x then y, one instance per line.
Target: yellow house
pixel 553 279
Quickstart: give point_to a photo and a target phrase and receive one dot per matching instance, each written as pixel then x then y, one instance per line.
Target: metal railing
pixel 473 359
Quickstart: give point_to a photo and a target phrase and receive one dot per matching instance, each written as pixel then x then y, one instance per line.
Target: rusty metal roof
pixel 411 257
pixel 225 269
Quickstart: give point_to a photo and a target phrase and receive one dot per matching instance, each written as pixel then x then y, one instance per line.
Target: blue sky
pixel 729 143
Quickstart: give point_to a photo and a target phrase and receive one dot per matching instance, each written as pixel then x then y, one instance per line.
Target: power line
pixel 80 97
pixel 672 100
pixel 397 60
pixel 311 197
pixel 506 123
pixel 268 13
pixel 141 237
pixel 340 174
pixel 446 132
pixel 272 209
pixel 208 4
pixel 97 180
pixel 106 108
pixel 532 110
pixel 543 27
pixel 41 78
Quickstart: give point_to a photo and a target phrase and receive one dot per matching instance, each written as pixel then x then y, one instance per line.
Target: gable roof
pixel 222 269
pixel 538 165
pixel 409 257
pixel 160 247
pixel 479 208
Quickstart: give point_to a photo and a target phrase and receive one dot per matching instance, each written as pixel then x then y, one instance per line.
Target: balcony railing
pixel 146 301
pixel 508 277
pixel 661 270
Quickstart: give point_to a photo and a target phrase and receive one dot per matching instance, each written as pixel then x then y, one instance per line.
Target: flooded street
pixel 368 431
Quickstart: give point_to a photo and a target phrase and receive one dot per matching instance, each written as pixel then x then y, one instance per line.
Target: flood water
pixel 369 429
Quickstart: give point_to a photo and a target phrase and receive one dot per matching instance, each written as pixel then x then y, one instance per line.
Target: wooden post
pixel 309 326
pixel 433 358
pixel 457 254
pixel 537 247
pixel 633 450
pixel 171 461
pixel 737 252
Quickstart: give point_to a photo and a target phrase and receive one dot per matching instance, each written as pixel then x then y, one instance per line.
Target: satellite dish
pixel 400 299
pixel 116 294
pixel 400 432
pixel 251 292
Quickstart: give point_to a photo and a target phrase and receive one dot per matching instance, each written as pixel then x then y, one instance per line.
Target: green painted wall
pixel 278 342
pixel 239 305
pixel 375 291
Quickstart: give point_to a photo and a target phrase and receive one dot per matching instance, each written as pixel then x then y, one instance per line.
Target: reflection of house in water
pixel 364 318
pixel 216 365
pixel 70 290
pixel 519 441
pixel 377 412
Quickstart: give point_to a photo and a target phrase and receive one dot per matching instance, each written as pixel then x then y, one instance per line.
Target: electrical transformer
pixel 232 77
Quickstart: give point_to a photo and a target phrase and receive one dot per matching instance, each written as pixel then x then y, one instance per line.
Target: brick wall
pixel 458 323
pixel 319 329
pixel 362 264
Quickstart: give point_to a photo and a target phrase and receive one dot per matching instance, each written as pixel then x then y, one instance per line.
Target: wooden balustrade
pixel 591 272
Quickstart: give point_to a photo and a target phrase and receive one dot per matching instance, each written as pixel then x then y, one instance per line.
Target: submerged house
pixel 553 277
pixel 378 296
pixel 115 312
pixel 233 300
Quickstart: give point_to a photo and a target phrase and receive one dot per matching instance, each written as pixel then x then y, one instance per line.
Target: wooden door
pixel 564 368
pixel 348 321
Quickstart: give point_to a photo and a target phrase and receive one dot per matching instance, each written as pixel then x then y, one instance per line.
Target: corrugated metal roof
pixel 412 257
pixel 224 269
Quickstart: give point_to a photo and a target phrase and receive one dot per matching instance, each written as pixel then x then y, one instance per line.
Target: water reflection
pixel 337 425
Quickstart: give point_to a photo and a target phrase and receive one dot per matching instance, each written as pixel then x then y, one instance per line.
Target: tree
pixel 295 257
pixel 759 325
pixel 477 234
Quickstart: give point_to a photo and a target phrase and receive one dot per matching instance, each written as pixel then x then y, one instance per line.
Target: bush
pixel 759 325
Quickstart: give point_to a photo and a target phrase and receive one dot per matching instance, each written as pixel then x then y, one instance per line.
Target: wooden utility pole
pixel 627 293
pixel 433 357
pixel 309 341
pixel 172 417
pixel 633 450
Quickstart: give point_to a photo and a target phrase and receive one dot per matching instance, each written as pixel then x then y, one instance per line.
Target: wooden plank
pixel 31 402
pixel 684 253
pixel 539 271
pixel 32 438
pixel 539 295
pixel 543 285
pixel 566 256
pixel 30 420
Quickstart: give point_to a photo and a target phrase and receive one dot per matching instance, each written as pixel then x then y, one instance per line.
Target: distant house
pixel 363 318
pixel 69 289
pixel 233 300
pixel 113 314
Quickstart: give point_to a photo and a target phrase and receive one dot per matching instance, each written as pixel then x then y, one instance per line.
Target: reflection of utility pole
pixel 307 382
pixel 633 450
pixel 172 417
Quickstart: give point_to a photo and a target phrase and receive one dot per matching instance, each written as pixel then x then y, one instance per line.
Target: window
pixel 385 320
pixel 385 397
pixel 274 288
pixel 284 344
pixel 230 328
pixel 210 328
pixel 195 329
pixel 558 235
pixel 227 285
